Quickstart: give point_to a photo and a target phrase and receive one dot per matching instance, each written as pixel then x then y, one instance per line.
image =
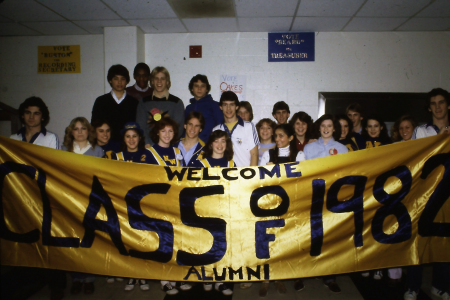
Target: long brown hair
pixel 68 137
pixel 208 151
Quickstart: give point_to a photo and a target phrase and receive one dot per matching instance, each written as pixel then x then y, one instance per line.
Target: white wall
pixel 66 95
pixel 345 62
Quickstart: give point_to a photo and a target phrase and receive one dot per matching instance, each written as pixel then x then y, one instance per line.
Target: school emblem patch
pixel 333 151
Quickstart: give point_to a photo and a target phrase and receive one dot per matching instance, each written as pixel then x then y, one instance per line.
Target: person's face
pixel 266 132
pixel 282 139
pixel 300 127
pixel 32 116
pixel 219 146
pixel 244 114
pixel 131 139
pixel 326 129
pixel 344 128
pixel 118 83
pixel 281 116
pixel 193 128
pixel 355 117
pixel 406 130
pixel 199 89
pixel 79 132
pixel 439 107
pixel 229 109
pixel 103 134
pixel 165 136
pixel 142 78
pixel 373 128
pixel 160 83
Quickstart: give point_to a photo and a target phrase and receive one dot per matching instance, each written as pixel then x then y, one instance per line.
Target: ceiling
pixel 73 17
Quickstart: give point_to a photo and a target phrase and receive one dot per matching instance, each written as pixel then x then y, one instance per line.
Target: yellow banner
pixel 371 209
pixel 60 59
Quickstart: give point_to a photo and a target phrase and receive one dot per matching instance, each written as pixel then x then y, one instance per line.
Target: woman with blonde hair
pixel 80 138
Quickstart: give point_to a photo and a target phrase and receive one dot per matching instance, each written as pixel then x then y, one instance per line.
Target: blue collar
pixel 239 122
pixel 206 98
pixel 34 137
pixel 432 125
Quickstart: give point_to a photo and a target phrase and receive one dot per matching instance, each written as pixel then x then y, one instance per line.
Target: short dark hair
pixel 270 122
pixel 118 70
pixel 203 79
pixel 350 125
pixel 438 92
pixel 304 117
pixel 336 126
pixel 141 66
pixel 159 125
pixel 280 105
pixel 197 115
pixel 99 122
pixel 354 107
pixel 35 101
pixel 395 134
pixel 248 107
pixel 207 150
pixel 384 136
pixel 229 96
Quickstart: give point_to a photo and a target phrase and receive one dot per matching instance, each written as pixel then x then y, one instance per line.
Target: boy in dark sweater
pixel 116 107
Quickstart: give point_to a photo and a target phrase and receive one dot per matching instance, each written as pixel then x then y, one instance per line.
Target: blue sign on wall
pixel 291 46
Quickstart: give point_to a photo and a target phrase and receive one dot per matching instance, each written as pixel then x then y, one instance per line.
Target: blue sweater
pixel 211 112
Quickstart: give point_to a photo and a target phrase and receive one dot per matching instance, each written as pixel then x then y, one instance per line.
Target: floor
pixel 22 283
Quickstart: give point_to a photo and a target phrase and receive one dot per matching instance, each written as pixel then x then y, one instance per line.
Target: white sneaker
pixel 378 275
pixel 185 286
pixel 365 274
pixel 143 284
pixel 130 284
pixel 245 285
pixel 169 289
pixel 110 279
pixel 439 293
pixel 207 286
pixel 119 279
pixel 410 295
pixel 222 287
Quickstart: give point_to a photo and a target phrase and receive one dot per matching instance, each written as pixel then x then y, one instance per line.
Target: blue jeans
pixel 441 276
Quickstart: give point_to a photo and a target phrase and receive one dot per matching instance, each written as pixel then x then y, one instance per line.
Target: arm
pixel 300 156
pixel 254 156
pixel 141 119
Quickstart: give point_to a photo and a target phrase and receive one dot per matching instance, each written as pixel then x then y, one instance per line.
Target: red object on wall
pixel 195 51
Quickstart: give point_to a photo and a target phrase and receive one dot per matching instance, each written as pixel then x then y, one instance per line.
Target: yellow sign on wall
pixel 59 59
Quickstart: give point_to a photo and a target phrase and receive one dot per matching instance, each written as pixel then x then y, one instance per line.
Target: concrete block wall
pixel 345 62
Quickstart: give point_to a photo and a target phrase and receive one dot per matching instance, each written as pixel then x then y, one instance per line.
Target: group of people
pixel 147 124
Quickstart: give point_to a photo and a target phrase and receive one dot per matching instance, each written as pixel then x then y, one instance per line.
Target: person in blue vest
pixel 191 146
pixel 375 132
pixel 218 152
pixel 102 131
pixel 352 140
